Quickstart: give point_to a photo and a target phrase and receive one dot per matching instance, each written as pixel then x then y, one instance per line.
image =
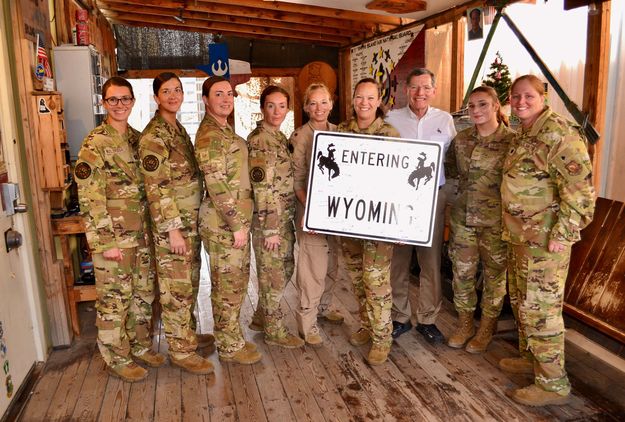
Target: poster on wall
pixel 388 60
pixel 373 187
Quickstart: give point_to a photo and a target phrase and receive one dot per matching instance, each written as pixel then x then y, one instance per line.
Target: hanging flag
pixel 218 64
pixel 43 65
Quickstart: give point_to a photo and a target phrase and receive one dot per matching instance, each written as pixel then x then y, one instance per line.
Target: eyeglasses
pixel 426 88
pixel 168 92
pixel 113 101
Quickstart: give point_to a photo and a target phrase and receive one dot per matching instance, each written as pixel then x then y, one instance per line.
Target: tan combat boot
pixel 257 323
pixel 378 354
pixel 205 340
pixel 517 365
pixel 533 395
pixel 150 358
pixel 194 364
pixel 480 342
pixel 333 317
pixel 246 355
pixel 289 341
pixel 313 338
pixel 129 373
pixel 463 332
pixel 250 346
pixel 360 337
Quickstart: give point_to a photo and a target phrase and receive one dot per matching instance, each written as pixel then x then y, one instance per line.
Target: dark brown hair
pixel 116 81
pixel 161 78
pixel 272 89
pixel 209 82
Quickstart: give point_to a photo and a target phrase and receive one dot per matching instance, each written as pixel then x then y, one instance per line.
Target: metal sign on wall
pixel 373 187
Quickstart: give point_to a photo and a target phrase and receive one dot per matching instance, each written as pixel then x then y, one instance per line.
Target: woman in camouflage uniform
pixel 368 261
pixel 271 175
pixel 225 218
pixel 317 259
pixel 547 198
pixel 113 203
pixel 476 156
pixel 174 189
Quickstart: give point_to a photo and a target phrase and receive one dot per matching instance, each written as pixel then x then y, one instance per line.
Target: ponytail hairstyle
pixel 501 118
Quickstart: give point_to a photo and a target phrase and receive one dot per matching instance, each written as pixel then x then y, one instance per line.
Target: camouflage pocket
pixel 246 207
pixel 125 219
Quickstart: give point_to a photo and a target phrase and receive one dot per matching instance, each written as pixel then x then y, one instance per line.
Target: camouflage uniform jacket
pixel 172 177
pixel 378 127
pixel 110 188
pixel 222 157
pixel 271 174
pixel 478 162
pixel 302 140
pixel 547 191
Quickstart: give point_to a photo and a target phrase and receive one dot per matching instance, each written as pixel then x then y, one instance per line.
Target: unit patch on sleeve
pixel 150 162
pixel 257 174
pixel 574 168
pixel 82 170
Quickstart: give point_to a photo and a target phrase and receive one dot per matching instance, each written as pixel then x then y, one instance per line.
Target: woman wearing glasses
pixel 173 187
pixel 113 202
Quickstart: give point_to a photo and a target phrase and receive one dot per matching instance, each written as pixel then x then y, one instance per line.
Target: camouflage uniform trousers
pixel 125 292
pixel 178 283
pixel 368 263
pixel 229 275
pixel 536 280
pixel 317 272
pixel 274 270
pixel 469 246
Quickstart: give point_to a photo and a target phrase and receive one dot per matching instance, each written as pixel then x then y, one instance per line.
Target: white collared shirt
pixel 436 125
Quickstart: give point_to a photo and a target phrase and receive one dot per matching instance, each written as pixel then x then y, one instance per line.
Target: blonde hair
pixel 314 87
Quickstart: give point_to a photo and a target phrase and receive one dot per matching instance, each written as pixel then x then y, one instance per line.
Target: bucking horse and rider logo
pixel 421 171
pixel 328 162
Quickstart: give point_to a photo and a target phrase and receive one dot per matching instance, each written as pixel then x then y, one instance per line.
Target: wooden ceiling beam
pixel 257 72
pixel 226 29
pixel 222 8
pixel 107 7
pixel 280 8
pixel 326 12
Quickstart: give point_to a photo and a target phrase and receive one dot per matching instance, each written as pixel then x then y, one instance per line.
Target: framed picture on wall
pixel 475 19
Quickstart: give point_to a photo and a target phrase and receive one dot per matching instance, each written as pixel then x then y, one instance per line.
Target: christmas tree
pixel 499 78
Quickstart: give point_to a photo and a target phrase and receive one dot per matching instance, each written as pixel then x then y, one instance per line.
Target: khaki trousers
pixel 316 275
pixel 430 293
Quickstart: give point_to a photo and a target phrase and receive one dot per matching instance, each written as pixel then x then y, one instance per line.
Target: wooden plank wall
pixel 22 14
pixel 595 288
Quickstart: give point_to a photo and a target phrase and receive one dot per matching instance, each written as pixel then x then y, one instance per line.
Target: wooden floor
pixel 420 382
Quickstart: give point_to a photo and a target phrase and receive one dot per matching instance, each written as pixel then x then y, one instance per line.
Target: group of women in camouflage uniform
pixel 523 198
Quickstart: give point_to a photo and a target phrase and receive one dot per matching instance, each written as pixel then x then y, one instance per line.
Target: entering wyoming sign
pixel 373 187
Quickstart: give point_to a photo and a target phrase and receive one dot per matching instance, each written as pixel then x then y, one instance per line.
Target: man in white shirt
pixel 419 120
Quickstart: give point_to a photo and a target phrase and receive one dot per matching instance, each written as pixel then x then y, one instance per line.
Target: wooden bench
pixel 595 287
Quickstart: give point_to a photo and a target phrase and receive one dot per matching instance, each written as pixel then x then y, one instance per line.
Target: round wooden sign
pixel 317 72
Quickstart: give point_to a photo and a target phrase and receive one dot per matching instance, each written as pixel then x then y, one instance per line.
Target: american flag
pixel 42 57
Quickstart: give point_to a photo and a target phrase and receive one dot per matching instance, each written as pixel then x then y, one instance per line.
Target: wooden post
pixel 457 63
pixel 344 91
pixel 596 77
